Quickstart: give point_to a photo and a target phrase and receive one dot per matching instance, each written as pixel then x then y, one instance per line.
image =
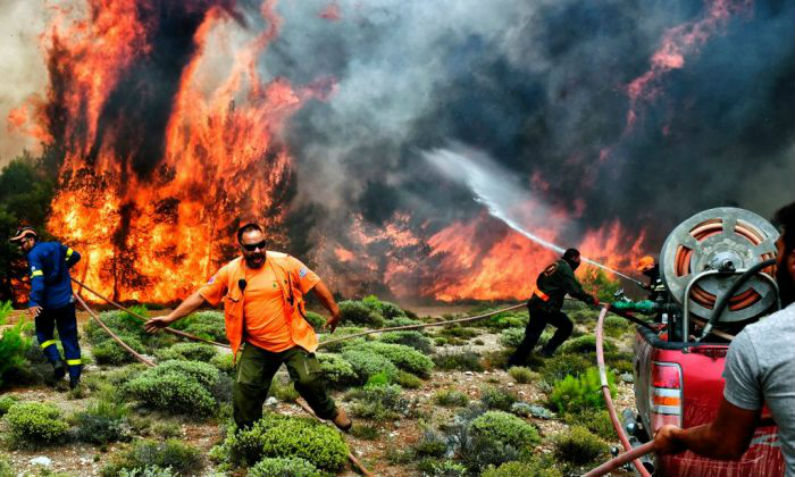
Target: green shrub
pixel 5 468
pixel 361 431
pixel 596 421
pixel 357 313
pixel 458 331
pixel 562 365
pixel 178 387
pixel 430 444
pixel 316 320
pixel 386 309
pixel 224 362
pixel 461 360
pixel 446 468
pixel 367 363
pixel 401 321
pixel 523 375
pixel 284 467
pixel 407 380
pixel 616 326
pixel 284 436
pixel 182 459
pixel 14 343
pixel 340 332
pixel 148 471
pixel 187 352
pixel 337 372
pixel 118 321
pixel 496 398
pixel 284 390
pixel 575 395
pixel 166 430
pixel 207 324
pixel 6 402
pixel 585 344
pixel 415 339
pixel 579 446
pixel 450 398
pixel 511 337
pixel 404 357
pixel 35 423
pixel 379 403
pixel 533 468
pixel 505 428
pixel 102 422
pixel 110 352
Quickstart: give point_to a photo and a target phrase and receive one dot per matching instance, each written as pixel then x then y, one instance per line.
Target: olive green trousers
pixel 255 370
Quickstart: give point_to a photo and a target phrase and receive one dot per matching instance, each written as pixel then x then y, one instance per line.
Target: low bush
pixel 284 436
pixel 505 428
pixel 386 309
pixel 207 324
pixel 404 357
pixel 177 387
pixel 14 343
pixel 585 344
pixel 224 362
pixel 458 331
pixel 367 363
pixel 415 339
pixel 511 337
pixel 166 430
pixel 497 398
pixel 534 468
pixel 187 352
pixel 340 332
pixel 361 431
pixel 430 444
pixel 148 471
pixel 523 375
pixel 446 468
pixel 562 365
pixel 101 423
pixel 579 446
pixel 407 380
pixel 284 467
pixel 616 326
pixel 110 352
pixel 32 424
pixel 450 398
pixel 461 360
pixel 357 313
pixel 283 390
pixel 6 469
pixel 401 321
pixel 575 395
pixel 6 402
pixel 316 320
pixel 596 421
pixel 182 459
pixel 379 403
pixel 337 371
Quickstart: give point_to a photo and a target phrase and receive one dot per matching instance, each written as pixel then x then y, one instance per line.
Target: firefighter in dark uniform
pixel 552 285
pixel 51 302
pixel 649 267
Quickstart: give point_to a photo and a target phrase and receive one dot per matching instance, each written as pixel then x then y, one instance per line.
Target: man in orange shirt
pixel 264 313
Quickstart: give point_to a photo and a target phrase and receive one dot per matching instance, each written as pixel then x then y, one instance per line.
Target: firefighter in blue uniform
pixel 51 302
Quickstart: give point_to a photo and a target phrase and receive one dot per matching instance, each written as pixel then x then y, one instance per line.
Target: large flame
pixel 153 230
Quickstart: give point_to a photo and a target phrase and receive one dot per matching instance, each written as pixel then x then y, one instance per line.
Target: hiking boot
pixel 342 421
pixel 58 371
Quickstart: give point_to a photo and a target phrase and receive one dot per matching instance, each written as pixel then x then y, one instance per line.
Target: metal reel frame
pixel 701 256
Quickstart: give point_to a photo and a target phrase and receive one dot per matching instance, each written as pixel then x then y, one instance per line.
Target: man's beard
pixel 255 260
pixel 786 285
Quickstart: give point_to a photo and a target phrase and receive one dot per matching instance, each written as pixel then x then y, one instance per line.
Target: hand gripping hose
pixel 632 454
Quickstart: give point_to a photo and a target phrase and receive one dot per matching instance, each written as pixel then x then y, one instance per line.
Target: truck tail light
pixel 666 394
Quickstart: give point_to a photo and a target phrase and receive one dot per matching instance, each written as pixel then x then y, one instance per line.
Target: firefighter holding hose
pixel 264 313
pixel 51 303
pixel 552 285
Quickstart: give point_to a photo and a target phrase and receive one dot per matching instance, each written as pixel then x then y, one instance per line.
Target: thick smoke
pixel 541 87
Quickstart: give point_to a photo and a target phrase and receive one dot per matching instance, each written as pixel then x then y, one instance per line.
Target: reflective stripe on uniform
pixel 36 273
pixel 69 253
pixel 74 362
pixel 47 344
pixel 541 294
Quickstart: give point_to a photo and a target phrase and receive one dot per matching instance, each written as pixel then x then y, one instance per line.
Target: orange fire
pixel 154 237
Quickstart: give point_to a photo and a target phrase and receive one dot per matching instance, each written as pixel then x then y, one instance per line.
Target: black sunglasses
pixel 250 247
